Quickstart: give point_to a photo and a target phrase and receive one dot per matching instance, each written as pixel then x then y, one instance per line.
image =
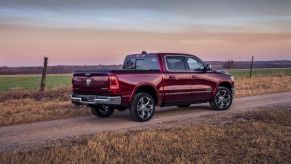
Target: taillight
pixel 113 82
pixel 72 85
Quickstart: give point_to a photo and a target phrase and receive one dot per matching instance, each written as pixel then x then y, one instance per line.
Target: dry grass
pixel 262 85
pixel 263 137
pixel 29 110
pixel 19 106
pixel 60 93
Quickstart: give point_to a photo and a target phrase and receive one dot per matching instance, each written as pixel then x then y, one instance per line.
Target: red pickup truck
pixel 148 80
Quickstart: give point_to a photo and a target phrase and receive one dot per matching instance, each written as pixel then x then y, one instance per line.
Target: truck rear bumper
pixel 95 100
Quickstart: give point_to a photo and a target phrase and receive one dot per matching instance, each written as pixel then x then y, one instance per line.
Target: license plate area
pixel 89 98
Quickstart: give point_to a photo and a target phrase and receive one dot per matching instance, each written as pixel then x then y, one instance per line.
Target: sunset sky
pixel 102 32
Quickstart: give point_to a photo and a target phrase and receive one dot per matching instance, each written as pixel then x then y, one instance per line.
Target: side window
pixel 175 63
pixel 194 65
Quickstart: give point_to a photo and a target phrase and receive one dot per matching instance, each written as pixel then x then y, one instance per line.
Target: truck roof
pixel 143 53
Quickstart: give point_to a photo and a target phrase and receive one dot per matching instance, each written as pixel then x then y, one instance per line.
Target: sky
pixel 91 32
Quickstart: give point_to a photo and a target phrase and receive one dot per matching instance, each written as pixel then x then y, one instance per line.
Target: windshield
pixel 141 63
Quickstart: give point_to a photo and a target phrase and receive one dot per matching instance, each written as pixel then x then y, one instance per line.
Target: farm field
pixel 259 72
pixel 10 82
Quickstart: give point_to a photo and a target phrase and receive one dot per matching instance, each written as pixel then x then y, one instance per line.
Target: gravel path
pixel 37 133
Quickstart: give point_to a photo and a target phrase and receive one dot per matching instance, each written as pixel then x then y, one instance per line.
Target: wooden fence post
pixel 251 70
pixel 43 77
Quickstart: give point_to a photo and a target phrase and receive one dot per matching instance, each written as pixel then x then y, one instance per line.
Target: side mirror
pixel 208 67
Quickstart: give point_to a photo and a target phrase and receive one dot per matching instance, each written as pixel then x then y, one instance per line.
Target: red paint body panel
pixel 170 87
pixel 130 82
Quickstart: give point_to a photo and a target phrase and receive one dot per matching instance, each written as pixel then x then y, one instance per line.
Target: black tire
pixel 138 110
pixel 222 99
pixel 184 106
pixel 102 111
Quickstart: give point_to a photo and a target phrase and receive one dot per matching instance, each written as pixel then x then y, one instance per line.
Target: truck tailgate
pixel 90 82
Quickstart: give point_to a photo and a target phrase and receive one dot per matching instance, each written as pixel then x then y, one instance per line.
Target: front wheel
pixel 102 111
pixel 142 107
pixel 222 99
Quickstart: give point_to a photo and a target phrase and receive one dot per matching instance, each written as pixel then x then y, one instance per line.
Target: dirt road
pixel 29 134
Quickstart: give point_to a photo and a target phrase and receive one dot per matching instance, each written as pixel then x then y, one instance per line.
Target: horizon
pixel 96 32
pixel 41 65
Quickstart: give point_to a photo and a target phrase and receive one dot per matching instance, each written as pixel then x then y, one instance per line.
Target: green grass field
pixel 259 72
pixel 8 82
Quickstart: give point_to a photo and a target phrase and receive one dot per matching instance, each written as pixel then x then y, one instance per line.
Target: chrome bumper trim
pixel 108 100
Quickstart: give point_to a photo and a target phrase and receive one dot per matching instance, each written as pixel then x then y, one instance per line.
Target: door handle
pixel 194 77
pixel 172 77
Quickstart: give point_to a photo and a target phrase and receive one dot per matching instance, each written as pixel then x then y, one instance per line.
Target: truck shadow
pixel 167 111
pixel 193 108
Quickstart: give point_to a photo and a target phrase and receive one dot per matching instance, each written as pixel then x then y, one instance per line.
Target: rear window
pixel 141 63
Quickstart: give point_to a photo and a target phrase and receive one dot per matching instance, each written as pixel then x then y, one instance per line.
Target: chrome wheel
pixel 145 107
pixel 223 99
pixel 142 107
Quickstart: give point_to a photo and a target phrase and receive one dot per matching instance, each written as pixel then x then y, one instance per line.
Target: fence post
pixel 251 70
pixel 43 77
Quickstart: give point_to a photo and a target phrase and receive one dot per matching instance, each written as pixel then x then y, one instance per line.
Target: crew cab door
pixel 201 85
pixel 177 80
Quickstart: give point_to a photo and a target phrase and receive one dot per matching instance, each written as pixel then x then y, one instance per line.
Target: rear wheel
pixel 222 99
pixel 142 107
pixel 102 111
